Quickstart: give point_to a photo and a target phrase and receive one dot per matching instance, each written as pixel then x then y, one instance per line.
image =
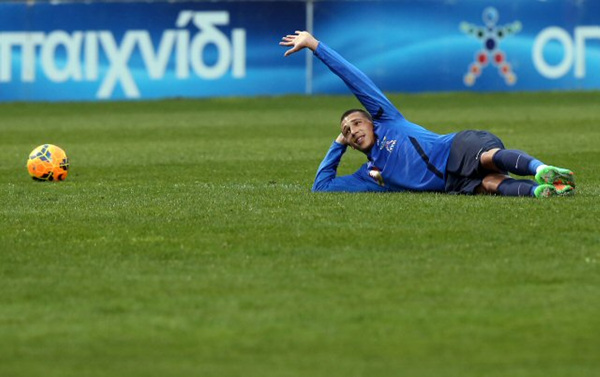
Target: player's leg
pixel 490 182
pixel 520 163
pixel 471 169
pixel 501 184
pixel 510 160
pixel 497 183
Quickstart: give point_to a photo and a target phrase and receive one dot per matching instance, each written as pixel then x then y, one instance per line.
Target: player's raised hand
pixel 299 41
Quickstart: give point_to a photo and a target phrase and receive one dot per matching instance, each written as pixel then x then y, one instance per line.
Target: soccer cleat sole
pixel 564 190
pixel 547 191
pixel 552 175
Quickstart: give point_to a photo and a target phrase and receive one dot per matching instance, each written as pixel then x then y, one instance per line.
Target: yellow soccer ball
pixel 48 163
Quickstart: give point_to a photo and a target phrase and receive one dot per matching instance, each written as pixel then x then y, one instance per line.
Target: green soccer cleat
pixel 553 175
pixel 564 190
pixel 546 191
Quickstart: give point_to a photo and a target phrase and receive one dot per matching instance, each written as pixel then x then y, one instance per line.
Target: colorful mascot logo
pixel 490 35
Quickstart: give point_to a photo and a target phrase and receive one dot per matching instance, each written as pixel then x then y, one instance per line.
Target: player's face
pixel 358 131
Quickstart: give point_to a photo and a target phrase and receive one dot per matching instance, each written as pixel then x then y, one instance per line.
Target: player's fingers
pixel 286 42
pixel 291 51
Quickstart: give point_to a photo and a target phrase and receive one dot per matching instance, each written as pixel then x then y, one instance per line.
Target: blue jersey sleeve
pixel 326 179
pixel 365 90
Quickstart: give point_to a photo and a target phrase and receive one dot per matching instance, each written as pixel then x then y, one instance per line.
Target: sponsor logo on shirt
pixel 386 144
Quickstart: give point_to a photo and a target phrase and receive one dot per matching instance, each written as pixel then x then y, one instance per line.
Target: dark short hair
pixel 348 112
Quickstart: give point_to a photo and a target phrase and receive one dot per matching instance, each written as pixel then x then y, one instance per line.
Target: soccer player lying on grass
pixel 405 156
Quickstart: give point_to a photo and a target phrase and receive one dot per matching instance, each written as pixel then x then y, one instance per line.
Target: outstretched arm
pixel 374 101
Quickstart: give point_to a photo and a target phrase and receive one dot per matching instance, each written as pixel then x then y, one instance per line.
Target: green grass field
pixel 186 242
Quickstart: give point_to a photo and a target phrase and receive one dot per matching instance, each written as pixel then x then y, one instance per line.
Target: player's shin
pixel 517 187
pixel 516 162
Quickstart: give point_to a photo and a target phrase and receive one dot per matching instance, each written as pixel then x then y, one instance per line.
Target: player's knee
pixel 486 159
pixel 490 182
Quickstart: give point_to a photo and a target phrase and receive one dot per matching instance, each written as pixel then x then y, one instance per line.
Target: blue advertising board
pixel 493 45
pixel 97 50
pixel 72 51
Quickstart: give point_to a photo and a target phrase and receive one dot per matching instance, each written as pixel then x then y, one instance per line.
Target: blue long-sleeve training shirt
pixel 405 156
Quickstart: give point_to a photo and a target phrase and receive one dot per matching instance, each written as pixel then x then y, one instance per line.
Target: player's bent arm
pixel 327 181
pixel 347 183
pixel 365 90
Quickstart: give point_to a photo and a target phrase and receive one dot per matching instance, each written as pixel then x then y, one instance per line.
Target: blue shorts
pixel 463 172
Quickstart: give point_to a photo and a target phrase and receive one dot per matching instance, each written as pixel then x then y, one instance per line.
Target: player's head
pixel 357 128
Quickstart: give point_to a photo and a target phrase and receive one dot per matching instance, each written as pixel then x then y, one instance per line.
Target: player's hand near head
pixel 341 139
pixel 298 41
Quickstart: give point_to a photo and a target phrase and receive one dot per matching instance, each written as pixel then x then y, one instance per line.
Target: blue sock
pixel 517 187
pixel 516 162
pixel 534 164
